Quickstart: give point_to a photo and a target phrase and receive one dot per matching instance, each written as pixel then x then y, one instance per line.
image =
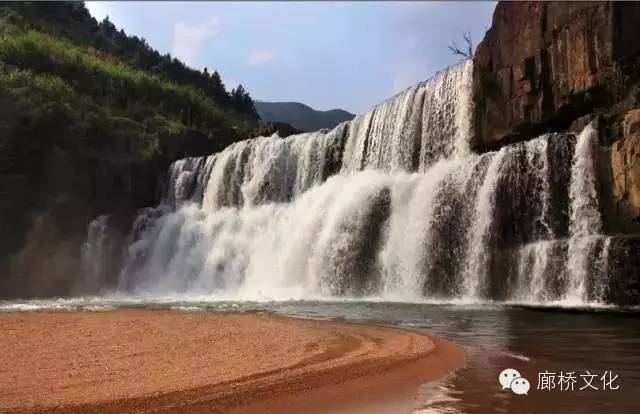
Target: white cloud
pixel 260 57
pixel 189 37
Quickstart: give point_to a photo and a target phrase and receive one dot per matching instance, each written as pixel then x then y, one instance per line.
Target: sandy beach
pixel 166 361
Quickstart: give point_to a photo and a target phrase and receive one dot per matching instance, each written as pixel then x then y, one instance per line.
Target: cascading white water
pixel 400 236
pixel 585 222
pixel 533 266
pixel 533 258
pixel 341 214
pixel 410 251
pixel 427 122
pixel 476 266
pixel 268 169
pixel 538 163
pixel 322 244
pixel 96 255
pixel 526 167
pixel 187 177
pixel 447 115
pixel 602 283
pixel 385 137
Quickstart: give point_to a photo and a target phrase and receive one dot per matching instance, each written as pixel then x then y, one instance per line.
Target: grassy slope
pixel 83 133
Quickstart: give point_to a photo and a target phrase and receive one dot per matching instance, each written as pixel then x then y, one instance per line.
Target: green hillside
pixel 90 119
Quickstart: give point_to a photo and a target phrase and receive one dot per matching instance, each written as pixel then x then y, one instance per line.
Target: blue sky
pixel 348 55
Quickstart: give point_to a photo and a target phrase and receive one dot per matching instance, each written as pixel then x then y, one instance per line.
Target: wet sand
pixel 166 361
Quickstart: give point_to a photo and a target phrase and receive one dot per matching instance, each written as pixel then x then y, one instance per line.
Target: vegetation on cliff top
pixel 72 21
pixel 120 88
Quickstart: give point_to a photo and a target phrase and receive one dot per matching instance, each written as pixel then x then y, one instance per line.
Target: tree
pixel 242 102
pixel 108 28
pixel 467 53
pixel 73 20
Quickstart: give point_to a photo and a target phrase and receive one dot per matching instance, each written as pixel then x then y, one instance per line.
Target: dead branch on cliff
pixel 468 53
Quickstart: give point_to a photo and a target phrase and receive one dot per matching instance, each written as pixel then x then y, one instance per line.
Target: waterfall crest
pixel 409 132
pixel 427 122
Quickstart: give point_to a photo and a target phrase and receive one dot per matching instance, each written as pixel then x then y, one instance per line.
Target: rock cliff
pixel 555 66
pixel 625 169
pixel 541 65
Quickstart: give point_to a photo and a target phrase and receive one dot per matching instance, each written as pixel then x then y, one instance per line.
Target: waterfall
pixel 99 256
pixel 187 178
pixel 425 123
pixel 533 258
pixel 256 171
pixel 602 283
pixel 585 221
pixel 479 247
pixel 436 234
pixel 428 224
pixel 533 267
pixel 392 205
pixel 92 254
pixel 323 244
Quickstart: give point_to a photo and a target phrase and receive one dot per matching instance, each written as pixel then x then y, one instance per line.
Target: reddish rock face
pixel 537 60
pixel 632 123
pixel 625 167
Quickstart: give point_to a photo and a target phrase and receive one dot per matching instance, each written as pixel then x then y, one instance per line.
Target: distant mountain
pixel 301 116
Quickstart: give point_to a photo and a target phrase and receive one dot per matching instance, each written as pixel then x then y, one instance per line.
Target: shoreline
pixel 163 360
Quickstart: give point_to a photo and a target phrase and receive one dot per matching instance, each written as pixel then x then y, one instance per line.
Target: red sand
pixel 154 360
